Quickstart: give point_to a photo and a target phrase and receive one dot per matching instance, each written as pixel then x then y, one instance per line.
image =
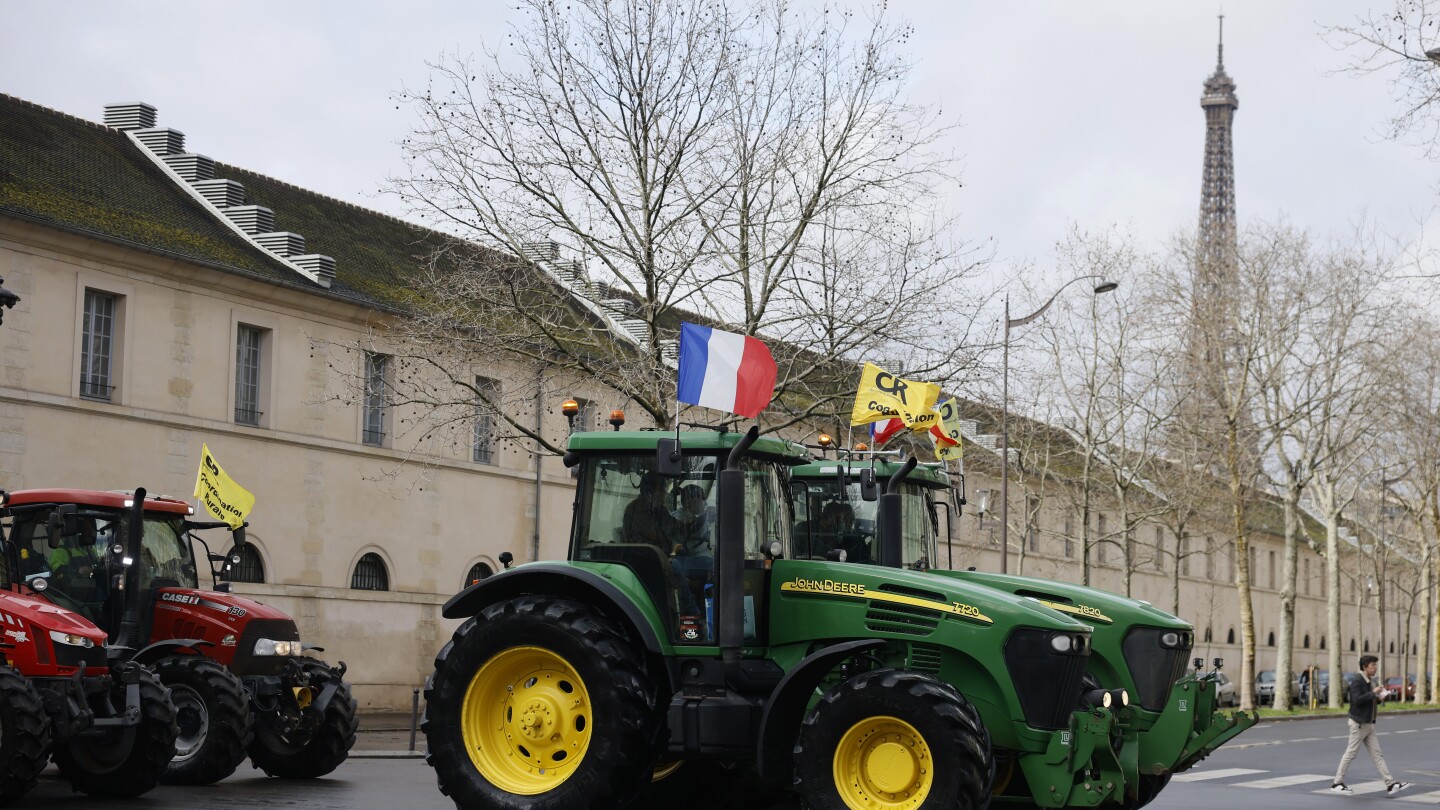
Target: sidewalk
pixel 387 736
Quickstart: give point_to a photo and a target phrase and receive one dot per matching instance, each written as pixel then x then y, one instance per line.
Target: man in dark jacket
pixel 1365 696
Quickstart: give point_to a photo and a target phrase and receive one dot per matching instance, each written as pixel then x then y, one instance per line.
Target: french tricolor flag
pixel 725 371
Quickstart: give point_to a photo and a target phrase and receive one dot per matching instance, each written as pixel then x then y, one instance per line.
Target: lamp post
pixel 1101 286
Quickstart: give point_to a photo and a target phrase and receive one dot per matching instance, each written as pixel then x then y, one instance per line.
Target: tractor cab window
pixel 165 558
pixel 71 562
pixel 829 520
pixel 917 527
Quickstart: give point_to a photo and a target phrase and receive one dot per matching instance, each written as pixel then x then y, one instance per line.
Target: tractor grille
pixel 910 620
pixel 924 658
pixel 68 655
pixel 1154 667
pixel 246 662
pixel 1047 682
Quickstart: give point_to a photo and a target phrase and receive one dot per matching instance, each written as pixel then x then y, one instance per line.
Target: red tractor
pixel 110 726
pixel 236 668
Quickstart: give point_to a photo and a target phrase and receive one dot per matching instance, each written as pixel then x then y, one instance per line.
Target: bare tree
pixel 750 165
pixel 1394 43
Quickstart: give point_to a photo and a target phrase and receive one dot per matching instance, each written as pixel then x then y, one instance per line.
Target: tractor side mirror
pixel 667 458
pixel 52 529
pixel 505 559
pixel 869 490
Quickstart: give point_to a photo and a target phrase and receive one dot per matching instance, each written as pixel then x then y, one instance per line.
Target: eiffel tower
pixel 1215 248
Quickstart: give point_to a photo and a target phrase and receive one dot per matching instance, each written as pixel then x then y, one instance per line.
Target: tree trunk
pixel 1332 601
pixel 1175 575
pixel 1285 649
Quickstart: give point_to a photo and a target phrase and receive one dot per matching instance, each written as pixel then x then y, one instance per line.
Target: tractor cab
pixel 656 512
pixel 832 511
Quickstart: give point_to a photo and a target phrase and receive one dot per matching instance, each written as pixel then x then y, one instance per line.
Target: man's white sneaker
pixel 1396 787
pixel 1341 787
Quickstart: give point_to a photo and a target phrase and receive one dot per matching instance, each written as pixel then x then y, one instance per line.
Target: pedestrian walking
pixel 1365 696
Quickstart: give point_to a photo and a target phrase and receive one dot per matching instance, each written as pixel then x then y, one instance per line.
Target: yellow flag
pixel 882 395
pixel 947 432
pixel 223 498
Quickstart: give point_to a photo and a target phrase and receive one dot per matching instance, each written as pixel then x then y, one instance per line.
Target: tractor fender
pixel 560 580
pixel 785 711
pixel 154 652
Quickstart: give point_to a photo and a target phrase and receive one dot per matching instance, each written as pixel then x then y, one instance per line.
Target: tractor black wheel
pixel 100 763
pixel 1150 787
pixel 24 735
pixel 316 748
pixel 212 710
pixel 541 703
pixel 934 749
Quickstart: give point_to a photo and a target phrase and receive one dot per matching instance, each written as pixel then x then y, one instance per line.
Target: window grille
pixel 1184 550
pixel 1099 539
pixel 97 343
pixel 1159 548
pixel 1032 523
pixel 1210 553
pixel 1069 536
pixel 373 431
pixel 482 450
pixel 370 574
pixel 247 376
pixel 478 571
pixel 251 567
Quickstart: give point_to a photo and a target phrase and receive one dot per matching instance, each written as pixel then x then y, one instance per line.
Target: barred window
pixel 1032 523
pixel 251 567
pixel 1099 539
pixel 482 449
pixel 97 345
pixel 1210 554
pixel 1069 536
pixel 373 431
pixel 478 571
pixel 1184 552
pixel 370 574
pixel 1159 548
pixel 247 376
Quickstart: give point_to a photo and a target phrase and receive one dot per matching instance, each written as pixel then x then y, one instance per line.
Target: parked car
pixel 1397 692
pixel 1265 687
pixel 1225 694
pixel 1322 689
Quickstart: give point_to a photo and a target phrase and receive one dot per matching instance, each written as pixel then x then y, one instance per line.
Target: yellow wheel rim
pixel 882 763
pixel 526 720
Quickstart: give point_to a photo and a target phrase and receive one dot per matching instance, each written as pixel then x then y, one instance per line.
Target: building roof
pixel 87 178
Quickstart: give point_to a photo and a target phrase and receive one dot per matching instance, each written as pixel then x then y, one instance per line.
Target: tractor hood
pixel 1090 605
pixel 218 605
pixel 19 612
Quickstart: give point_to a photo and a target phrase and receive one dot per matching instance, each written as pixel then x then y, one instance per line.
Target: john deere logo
pixel 855 590
pixel 824 586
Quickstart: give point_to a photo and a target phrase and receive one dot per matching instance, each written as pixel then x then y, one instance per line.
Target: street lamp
pixel 1101 286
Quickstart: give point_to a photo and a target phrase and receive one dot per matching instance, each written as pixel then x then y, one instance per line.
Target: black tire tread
pixel 230 724
pixel 153 749
pixel 636 741
pixel 328 747
pixel 943 701
pixel 25 748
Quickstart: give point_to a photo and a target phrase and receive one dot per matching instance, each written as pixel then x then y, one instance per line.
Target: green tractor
pixel 1170 723
pixel 686 633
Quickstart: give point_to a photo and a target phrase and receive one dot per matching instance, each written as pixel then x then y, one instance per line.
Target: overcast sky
pixel 1069 112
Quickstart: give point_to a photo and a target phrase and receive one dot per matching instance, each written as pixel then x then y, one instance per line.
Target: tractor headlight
pixel 71 639
pixel 269 646
pixel 1061 643
pixel 1170 640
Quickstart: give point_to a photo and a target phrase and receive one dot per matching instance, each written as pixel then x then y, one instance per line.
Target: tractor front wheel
pixel 540 703
pixel 24 735
pixel 122 764
pixel 318 745
pixel 894 740
pixel 213 712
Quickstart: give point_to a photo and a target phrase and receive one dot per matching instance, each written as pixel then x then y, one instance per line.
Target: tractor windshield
pixel 826 520
pixel 165 559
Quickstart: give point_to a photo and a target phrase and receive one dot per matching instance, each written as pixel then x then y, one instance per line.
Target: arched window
pixel 1322 642
pixel 250 568
pixel 1207 635
pixel 1392 648
pixel 1414 649
pixel 370 574
pixel 478 571
pixel 1230 637
pixel 1367 645
pixel 1352 644
pixel 1270 642
pixel 1307 641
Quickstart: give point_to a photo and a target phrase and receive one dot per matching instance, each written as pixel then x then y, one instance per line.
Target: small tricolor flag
pixel 725 371
pixel 881 432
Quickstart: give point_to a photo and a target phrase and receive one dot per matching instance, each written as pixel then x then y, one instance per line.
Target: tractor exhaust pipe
pixel 730 551
pixel 130 574
pixel 890 556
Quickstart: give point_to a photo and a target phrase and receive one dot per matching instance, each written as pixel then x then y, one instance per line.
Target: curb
pixel 1390 713
pixel 387 755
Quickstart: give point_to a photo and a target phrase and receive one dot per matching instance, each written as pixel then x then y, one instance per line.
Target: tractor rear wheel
pixel 316 750
pixel 24 735
pixel 540 703
pixel 102 764
pixel 213 712
pixel 894 740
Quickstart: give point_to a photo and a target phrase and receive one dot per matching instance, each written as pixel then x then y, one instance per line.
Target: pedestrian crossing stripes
pixel 1255 779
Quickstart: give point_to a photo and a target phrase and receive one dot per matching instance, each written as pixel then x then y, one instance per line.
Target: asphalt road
pixel 1277 765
